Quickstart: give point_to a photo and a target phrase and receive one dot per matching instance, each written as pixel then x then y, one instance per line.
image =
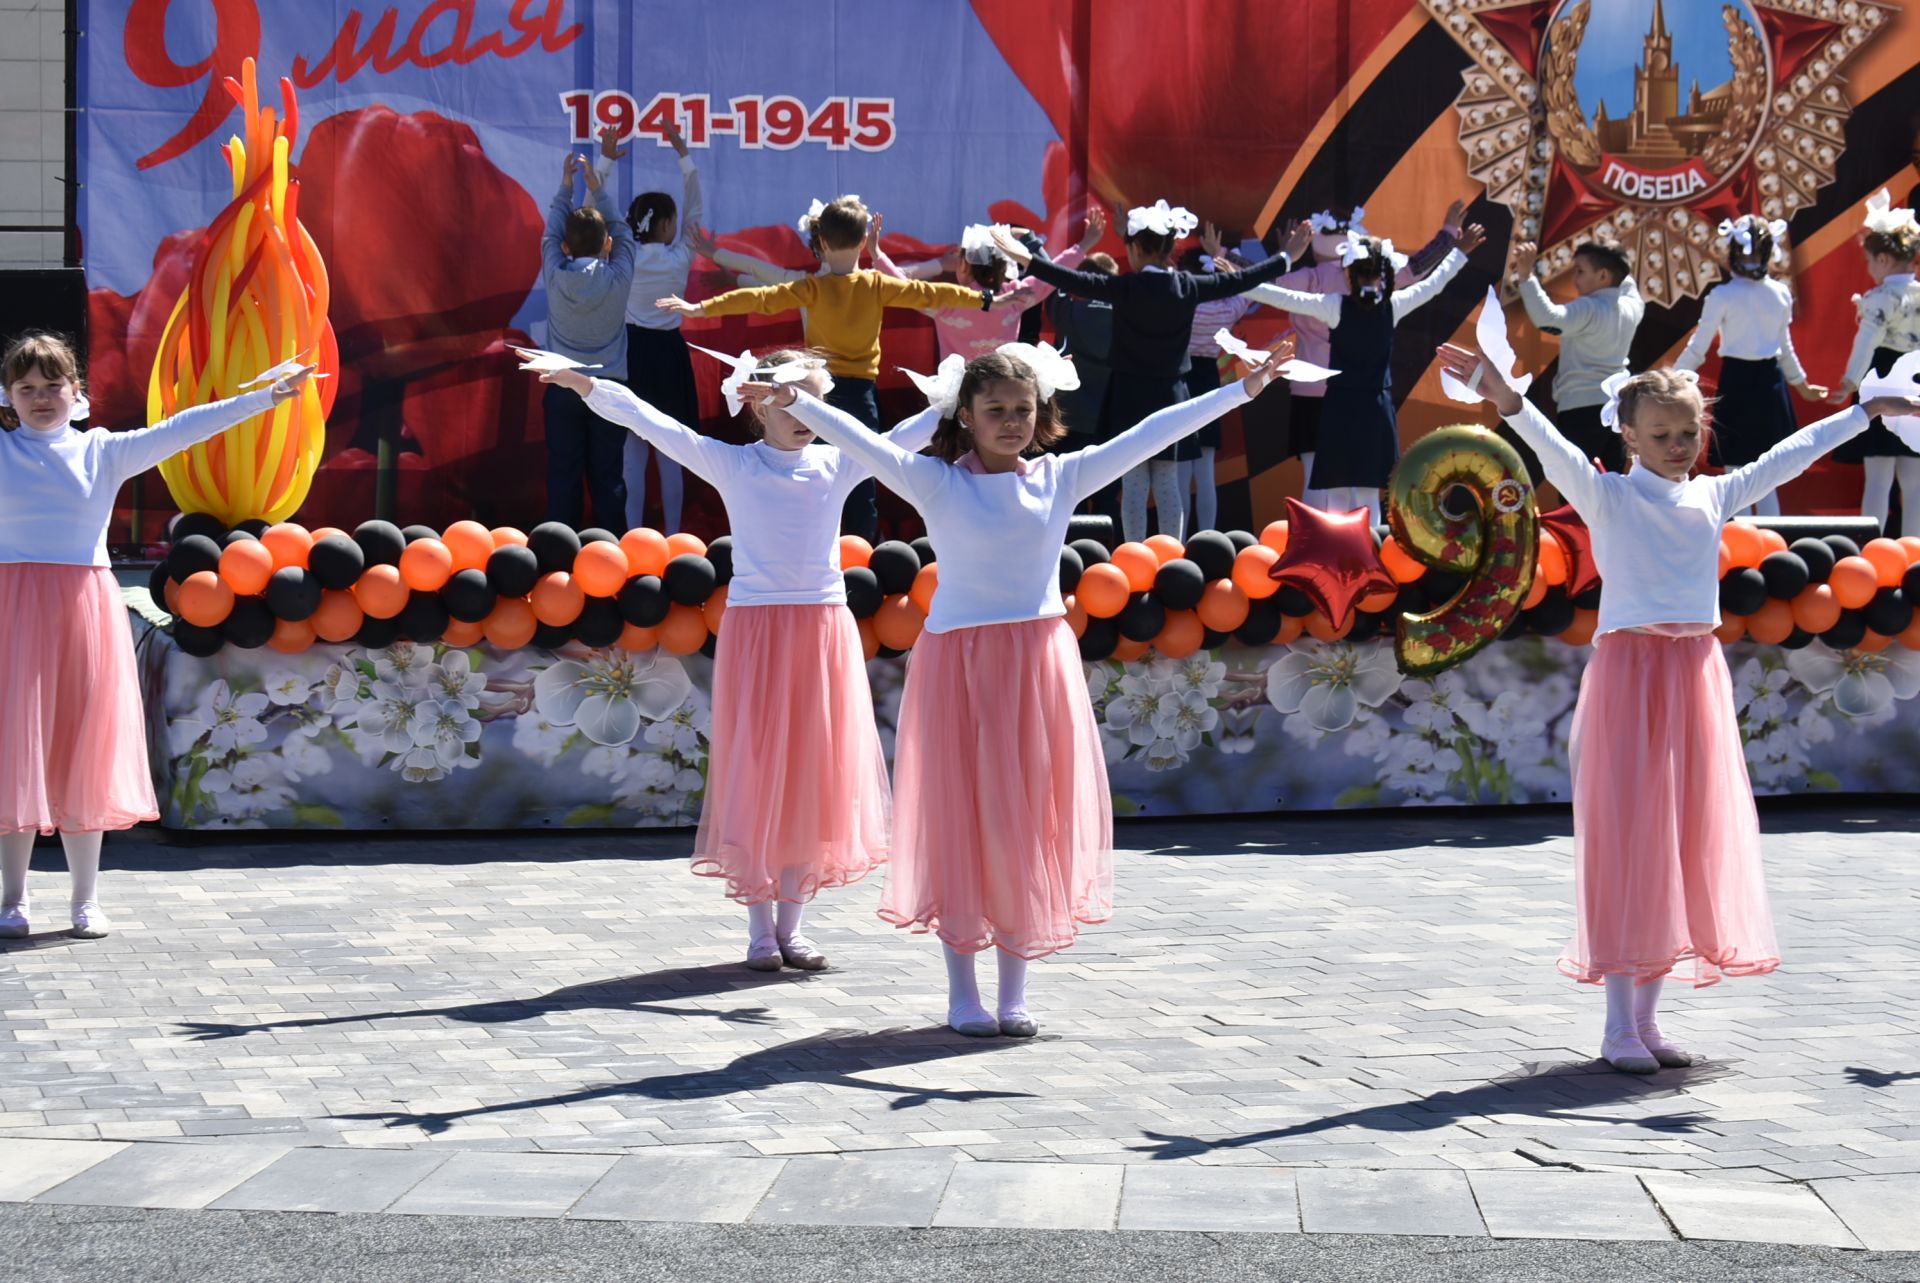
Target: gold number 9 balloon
pixel 256 296
pixel 1493 541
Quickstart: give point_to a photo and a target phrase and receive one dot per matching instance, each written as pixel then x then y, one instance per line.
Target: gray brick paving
pixel 1344 1006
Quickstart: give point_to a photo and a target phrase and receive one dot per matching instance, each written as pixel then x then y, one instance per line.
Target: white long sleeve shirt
pixel 1753 320
pixel 57 488
pixel 660 268
pixel 783 505
pixel 1657 542
pixel 1889 317
pixel 1596 334
pixel 1000 534
pixel 1325 308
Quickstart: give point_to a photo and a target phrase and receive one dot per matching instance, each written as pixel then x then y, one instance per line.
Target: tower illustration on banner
pixel 1647 123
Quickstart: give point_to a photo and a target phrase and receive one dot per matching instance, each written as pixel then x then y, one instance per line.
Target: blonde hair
pixel 52 355
pixel 1665 386
pixel 757 411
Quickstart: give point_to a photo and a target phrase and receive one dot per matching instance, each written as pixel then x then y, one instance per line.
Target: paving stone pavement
pixel 1336 1025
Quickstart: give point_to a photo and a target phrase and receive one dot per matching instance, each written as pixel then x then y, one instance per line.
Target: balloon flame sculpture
pixel 256 296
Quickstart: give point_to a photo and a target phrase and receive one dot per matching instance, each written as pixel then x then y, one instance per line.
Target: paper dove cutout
pixel 1902 380
pixel 542 362
pixel 1490 332
pixel 279 372
pixel 1293 370
pixel 746 365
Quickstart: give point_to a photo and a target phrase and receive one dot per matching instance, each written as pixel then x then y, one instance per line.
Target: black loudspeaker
pixel 53 299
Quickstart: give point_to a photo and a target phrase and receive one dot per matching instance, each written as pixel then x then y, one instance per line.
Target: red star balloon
pixel 1573 534
pixel 1330 557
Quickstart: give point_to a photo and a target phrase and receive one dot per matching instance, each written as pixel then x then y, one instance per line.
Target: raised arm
pixel 1712 311
pixel 1031 256
pixel 904 471
pixel 128 454
pixel 764 300
pixel 709 459
pixel 928 296
pixel 1208 286
pixel 620 262
pixel 916 434
pixel 1091 470
pixel 1563 319
pixel 693 201
pixel 553 253
pixel 1571 472
pixel 1428 288
pixel 1744 486
pixel 1324 308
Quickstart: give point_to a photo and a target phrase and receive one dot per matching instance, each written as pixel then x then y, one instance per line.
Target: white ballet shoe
pixel 89 921
pixel 801 954
pixel 764 954
pixel 974 1022
pixel 1667 1053
pixel 1628 1054
pixel 13 922
pixel 1018 1024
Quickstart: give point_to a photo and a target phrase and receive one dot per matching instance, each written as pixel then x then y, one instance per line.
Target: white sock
pixel 1013 986
pixel 1622 1037
pixel 16 852
pixel 792 909
pixel 963 988
pixel 83 859
pixel 1133 504
pixel 1876 498
pixel 760 927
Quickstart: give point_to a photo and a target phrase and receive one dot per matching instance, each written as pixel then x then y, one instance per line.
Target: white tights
pixel 633 469
pixel 1163 475
pixel 963 987
pixel 1883 472
pixel 1347 498
pixel 764 922
pixel 83 864
pixel 1633 1009
pixel 1197 477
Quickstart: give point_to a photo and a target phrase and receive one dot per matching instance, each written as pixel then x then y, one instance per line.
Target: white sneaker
pixel 89 921
pixel 13 922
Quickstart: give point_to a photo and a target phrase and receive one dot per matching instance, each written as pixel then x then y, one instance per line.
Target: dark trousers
pixel 580 441
pixel 861 515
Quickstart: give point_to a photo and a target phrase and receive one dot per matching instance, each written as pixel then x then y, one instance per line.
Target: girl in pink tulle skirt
pixel 1666 839
pixel 796 797
pixel 73 743
pixel 1003 835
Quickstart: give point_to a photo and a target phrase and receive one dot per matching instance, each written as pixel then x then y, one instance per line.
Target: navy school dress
pixel 1359 437
pixel 1752 412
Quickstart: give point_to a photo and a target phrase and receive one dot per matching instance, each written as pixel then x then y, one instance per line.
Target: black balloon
pixel 1848 633
pixel 1099 639
pixel 512 570
pixel 1411 599
pixel 1367 625
pixel 1442 585
pixel 157 581
pixel 1211 640
pixel 336 561
pixel 643 601
pixel 885 652
pixel 554 545
pixel 199 642
pixel 1910 582
pixel 597 534
pixel 1142 618
pixel 1071 568
pixel 689 579
pixel 863 591
pixel 895 564
pixel 1786 573
pixel 552 636
pixel 249 624
pixel 1241 540
pixel 470 597
pixel 1889 612
pixel 192 555
pixel 1590 599
pixel 381 541
pixel 293 593
pixel 1213 552
pixel 1798 639
pixel 720 553
pixel 711 646
pixel 237 535
pixel 1818 556
pixel 1092 552
pixel 1842 546
pixel 1178 584
pixel 1262 624
pixel 923 549
pixel 600 622
pixel 414 534
pixel 1743 591
pixel 197 523
pixel 423 618
pixel 254 526
pixel 378 634
pixel 1554 614
pixel 1292 602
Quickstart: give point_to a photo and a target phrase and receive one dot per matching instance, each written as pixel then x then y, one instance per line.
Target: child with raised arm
pixel 796 797
pixel 73 738
pixel 1666 839
pixel 1596 330
pixel 587 258
pixel 1004 825
pixel 1889 328
pixel 978 263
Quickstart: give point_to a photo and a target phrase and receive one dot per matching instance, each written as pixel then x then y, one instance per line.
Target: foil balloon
pixel 256 298
pixel 1491 538
pixel 1330 557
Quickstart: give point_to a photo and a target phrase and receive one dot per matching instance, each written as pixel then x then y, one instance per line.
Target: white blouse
pixel 1754 322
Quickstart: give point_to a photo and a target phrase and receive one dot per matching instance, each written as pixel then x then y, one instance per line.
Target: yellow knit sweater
pixel 843 311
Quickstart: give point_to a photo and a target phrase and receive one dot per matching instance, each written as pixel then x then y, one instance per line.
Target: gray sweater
pixel 587 297
pixel 1596 333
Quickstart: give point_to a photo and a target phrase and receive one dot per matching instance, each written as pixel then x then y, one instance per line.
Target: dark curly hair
pixel 1901 245
pixel 1753 263
pixel 951 440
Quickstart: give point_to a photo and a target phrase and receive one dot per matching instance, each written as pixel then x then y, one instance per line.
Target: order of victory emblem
pixel 1647 122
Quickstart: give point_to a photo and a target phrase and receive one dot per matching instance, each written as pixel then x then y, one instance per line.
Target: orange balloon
pixel 1252 569
pixel 869 640
pixel 1320 627
pixel 1873 642
pixel 510 624
pixel 1126 650
pixel 1771 541
pixel 460 634
pixel 1552 566
pixel 426 565
pixel 854 551
pixel 683 631
pixel 1275 536
pixel 925 584
pixel 1745 547
pixel 381 592
pixel 246 565
pixel 1854 581
pixel 1165 547
pixel 1889 560
pixel 327 532
pixel 1535 594
pixel 558 600
pixel 1076 616
pixel 646 552
pixel 1580 631
pixel 291 636
pixel 1378 601
pixel 1103 590
pixel 1815 608
pixel 1911 637
pixel 1732 628
pixel 635 638
pixel 1911 543
pixel 504 535
pixel 1139 564
pixel 1223 605
pixel 1181 635
pixel 205 598
pixel 898 622
pixel 715 607
pixel 601 569
pixel 470 543
pixel 289 543
pixel 338 617
pixel 1772 623
pixel 1291 626
pixel 682 543
pixel 1398 562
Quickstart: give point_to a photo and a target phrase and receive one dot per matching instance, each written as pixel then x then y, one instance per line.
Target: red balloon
pixel 1567 526
pixel 1330 557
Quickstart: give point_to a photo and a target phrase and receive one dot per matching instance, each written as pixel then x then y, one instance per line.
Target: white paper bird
pixel 1902 380
pixel 1293 370
pixel 1495 347
pixel 746 365
pixel 543 362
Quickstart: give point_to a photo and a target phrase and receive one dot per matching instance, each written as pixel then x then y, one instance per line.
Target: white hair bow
pixel 814 210
pixel 1162 219
pixel 976 245
pixel 746 365
pixel 1052 372
pixel 1884 218
pixel 1355 251
pixel 1328 221
pixel 646 222
pixel 1613 383
pixel 1741 229
pixel 1496 350
pixel 942 387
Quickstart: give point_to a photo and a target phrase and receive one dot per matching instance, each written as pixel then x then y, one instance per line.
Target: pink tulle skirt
pixel 797 794
pixel 1004 831
pixel 73 739
pixel 1666 840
